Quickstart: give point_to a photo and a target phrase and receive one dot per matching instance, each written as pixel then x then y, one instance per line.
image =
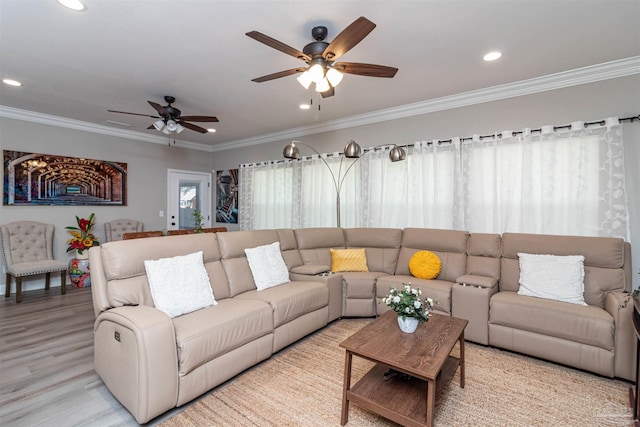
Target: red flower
pixel 83 224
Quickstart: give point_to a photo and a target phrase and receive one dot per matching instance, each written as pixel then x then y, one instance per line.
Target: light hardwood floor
pixel 46 364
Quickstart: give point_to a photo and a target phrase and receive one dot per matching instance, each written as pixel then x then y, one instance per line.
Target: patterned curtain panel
pixel 566 181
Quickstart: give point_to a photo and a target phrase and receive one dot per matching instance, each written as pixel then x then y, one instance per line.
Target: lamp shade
pixel 179 128
pixel 291 151
pixel 158 124
pixel 397 153
pixel 305 79
pixel 334 76
pixel 316 72
pixel 352 150
pixel 172 125
pixel 322 85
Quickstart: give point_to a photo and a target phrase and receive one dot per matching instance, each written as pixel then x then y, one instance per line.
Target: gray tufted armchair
pixel 27 247
pixel 115 229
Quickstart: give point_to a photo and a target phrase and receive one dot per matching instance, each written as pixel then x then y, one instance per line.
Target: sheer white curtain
pixel 417 192
pixel 299 193
pixel 566 181
pixel 554 181
pixel 266 195
pixel 317 191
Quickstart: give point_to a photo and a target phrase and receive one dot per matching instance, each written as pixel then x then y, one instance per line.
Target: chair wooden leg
pixel 47 281
pixel 18 289
pixel 7 286
pixel 63 282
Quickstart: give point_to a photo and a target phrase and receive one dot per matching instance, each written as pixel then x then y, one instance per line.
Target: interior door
pixel 188 192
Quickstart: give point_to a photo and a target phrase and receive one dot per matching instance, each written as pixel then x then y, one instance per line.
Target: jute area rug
pixel 302 386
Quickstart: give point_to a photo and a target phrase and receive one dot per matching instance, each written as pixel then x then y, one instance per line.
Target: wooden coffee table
pixel 424 355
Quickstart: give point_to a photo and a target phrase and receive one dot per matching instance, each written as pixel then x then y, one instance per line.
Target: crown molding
pixel 578 76
pixel 47 119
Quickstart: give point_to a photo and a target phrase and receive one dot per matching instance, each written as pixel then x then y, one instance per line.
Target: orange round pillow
pixel 425 265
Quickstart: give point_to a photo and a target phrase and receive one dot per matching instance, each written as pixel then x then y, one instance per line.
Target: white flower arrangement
pixel 407 302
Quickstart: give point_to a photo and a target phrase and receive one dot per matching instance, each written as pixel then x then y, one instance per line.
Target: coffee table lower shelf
pixel 402 401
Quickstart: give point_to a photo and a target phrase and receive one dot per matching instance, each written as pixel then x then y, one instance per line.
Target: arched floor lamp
pixel 351 151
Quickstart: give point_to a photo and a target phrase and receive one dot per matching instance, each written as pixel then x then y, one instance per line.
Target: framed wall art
pixel 46 179
pixel 227 196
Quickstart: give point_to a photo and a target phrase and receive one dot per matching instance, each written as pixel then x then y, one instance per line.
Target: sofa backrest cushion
pixel 289 248
pixel 449 245
pixel 314 244
pixel 483 255
pixel 234 260
pixel 382 246
pixel 122 263
pixel 604 259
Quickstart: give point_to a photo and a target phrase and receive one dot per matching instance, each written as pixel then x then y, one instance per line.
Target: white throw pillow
pixel 267 266
pixel 179 285
pixel 559 278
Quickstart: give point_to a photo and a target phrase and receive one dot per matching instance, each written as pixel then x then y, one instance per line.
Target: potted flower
pixel 411 309
pixel 83 237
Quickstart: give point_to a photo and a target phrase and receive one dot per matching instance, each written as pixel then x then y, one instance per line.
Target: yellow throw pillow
pixel 348 260
pixel 425 265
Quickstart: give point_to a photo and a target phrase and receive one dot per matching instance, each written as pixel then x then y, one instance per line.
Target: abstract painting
pixel 227 196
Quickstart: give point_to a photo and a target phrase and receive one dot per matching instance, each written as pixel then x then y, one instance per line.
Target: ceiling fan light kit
pixel 320 57
pixel 170 119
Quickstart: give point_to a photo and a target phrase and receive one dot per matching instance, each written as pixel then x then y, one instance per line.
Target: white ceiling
pixel 118 54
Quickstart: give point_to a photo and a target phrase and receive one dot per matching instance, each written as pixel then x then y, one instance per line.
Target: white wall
pixel 590 102
pixel 148 162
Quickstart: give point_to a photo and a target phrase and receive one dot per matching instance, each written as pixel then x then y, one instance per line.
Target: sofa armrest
pixel 311 269
pixel 620 306
pixel 135 354
pixel 334 283
pixel 477 281
pixel 470 300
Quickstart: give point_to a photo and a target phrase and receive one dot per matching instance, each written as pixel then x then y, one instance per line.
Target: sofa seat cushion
pixel 291 300
pixel 206 334
pixel 588 325
pixel 361 284
pixel 436 289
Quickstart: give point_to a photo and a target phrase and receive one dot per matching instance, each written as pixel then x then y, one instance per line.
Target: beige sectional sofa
pixel 152 363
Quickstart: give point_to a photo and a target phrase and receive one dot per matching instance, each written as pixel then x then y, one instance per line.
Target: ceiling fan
pixel 320 56
pixel 170 118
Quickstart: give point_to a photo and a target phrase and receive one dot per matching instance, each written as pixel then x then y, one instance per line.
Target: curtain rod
pixel 447 141
pixel 586 124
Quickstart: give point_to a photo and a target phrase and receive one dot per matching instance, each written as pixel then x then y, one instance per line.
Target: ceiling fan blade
pixel 278 45
pixel 279 74
pixel 328 93
pixel 348 38
pixel 369 70
pixel 193 127
pixel 160 109
pixel 151 127
pixel 133 114
pixel 200 118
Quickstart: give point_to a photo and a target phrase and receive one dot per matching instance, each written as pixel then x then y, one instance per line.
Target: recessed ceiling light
pixel 305 106
pixel 76 5
pixel 11 82
pixel 212 130
pixel 492 56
